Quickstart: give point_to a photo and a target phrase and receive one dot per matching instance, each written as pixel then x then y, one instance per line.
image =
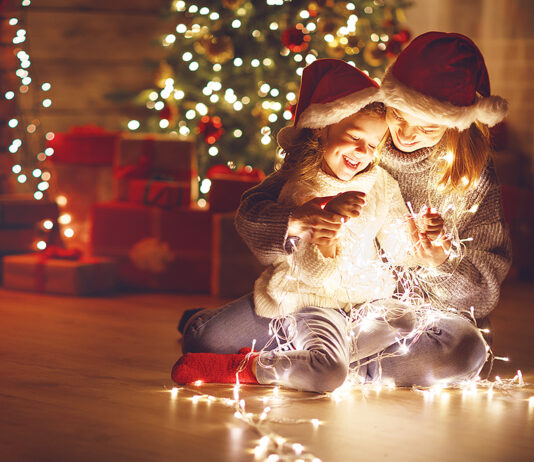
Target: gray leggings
pixel 322 349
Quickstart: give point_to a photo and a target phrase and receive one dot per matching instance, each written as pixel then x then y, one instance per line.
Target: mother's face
pixel 410 133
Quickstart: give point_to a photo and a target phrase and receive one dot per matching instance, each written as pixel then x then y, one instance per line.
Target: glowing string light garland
pixel 40 178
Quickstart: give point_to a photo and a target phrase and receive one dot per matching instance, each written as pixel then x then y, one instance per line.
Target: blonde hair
pixel 467 153
pixel 304 158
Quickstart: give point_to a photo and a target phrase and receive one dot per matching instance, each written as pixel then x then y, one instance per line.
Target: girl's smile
pixel 349 145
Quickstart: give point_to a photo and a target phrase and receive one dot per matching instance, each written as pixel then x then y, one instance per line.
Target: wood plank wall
pixel 86 49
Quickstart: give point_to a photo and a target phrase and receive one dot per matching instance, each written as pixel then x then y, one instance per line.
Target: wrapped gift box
pixel 226 191
pixel 154 156
pixel 160 193
pixel 23 209
pixel 86 276
pixel 84 145
pixel 17 239
pixel 158 248
pixel 234 268
pixel 227 186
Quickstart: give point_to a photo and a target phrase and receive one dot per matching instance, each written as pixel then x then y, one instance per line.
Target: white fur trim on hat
pixel 319 115
pixel 489 110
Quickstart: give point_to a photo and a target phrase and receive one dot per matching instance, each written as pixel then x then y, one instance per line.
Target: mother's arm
pixel 475 280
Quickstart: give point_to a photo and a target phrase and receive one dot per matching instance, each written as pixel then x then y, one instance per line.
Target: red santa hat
pixel 330 90
pixel 442 78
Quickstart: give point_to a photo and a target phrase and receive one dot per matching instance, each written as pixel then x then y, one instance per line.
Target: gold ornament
pixel 217 49
pixel 336 51
pixel 373 55
pixel 232 4
pixel 328 25
pixel 163 72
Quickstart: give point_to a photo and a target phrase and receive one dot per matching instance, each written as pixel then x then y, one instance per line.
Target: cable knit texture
pixel 356 274
pixel 474 279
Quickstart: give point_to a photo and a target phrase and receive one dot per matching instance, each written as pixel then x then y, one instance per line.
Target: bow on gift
pixel 52 252
pixel 56 252
pixel 243 172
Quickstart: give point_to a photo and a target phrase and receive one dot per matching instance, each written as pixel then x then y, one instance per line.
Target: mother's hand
pixel 314 224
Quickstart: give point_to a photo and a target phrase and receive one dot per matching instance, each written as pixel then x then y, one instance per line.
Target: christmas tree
pixel 233 69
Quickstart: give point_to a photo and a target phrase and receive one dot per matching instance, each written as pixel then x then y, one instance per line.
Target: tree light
pixel 46 86
pixel 48 224
pixel 69 232
pixel 65 219
pixel 9 95
pixel 133 124
pixel 41 245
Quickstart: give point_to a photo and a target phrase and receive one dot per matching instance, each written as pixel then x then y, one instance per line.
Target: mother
pixel 439 110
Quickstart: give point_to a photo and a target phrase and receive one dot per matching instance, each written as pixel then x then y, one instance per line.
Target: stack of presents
pixel 139 222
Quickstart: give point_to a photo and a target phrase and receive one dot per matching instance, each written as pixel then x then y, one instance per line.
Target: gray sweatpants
pixel 322 347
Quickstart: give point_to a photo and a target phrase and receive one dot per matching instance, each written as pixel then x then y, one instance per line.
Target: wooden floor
pixel 88 380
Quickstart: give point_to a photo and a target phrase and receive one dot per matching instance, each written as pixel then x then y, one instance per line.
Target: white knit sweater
pixel 357 273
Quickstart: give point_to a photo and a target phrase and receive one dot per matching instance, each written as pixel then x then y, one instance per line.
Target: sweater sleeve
pixel 261 222
pixel 474 279
pixel 311 267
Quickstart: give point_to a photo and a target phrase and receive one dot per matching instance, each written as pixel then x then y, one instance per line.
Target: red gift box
pixel 84 276
pixel 227 186
pixel 160 193
pixel 23 209
pixel 17 240
pixel 151 156
pixel 234 268
pixel 85 145
pixel 158 248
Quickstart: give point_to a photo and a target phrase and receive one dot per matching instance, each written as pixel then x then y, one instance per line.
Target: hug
pixel 382 232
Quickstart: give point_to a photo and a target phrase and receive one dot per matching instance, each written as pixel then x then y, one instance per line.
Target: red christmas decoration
pixel 295 39
pixel 395 44
pixel 210 128
pixel 291 108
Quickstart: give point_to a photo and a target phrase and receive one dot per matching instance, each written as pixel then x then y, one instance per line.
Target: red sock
pixel 213 368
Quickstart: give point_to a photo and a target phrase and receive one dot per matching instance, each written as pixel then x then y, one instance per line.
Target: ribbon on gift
pixel 89 129
pixel 144 164
pixel 165 195
pixel 52 252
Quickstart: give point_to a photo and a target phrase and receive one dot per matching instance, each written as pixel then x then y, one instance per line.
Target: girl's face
pixel 350 144
pixel 410 133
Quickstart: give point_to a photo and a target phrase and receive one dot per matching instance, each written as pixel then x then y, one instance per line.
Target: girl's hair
pixel 303 159
pixel 467 153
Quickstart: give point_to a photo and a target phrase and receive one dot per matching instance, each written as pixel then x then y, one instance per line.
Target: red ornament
pixel 295 39
pixel 210 128
pixel 395 44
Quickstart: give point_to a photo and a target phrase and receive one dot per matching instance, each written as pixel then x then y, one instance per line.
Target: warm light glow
pixel 65 219
pixel 48 224
pixel 61 201
pixel 69 232
pixel 41 245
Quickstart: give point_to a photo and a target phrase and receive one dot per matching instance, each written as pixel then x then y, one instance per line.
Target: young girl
pixel 439 109
pixel 329 152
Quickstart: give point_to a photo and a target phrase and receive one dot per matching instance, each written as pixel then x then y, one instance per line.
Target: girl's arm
pixel 262 222
pixel 266 226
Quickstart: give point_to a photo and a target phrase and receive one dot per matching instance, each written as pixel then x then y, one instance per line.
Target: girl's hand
pixel 348 204
pixel 314 224
pixel 428 252
pixel 432 224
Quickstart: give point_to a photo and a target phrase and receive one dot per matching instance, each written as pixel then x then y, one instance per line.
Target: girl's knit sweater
pixel 470 281
pixel 356 274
